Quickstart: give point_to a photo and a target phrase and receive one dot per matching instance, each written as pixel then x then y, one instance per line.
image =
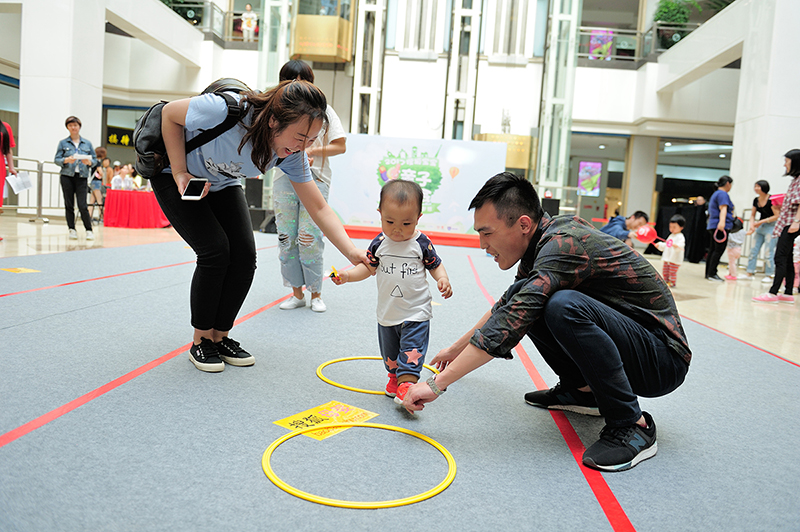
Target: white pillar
pixel 61 73
pixel 768 109
pixel 639 181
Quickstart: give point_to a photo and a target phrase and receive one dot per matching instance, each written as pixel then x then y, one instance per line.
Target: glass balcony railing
pixel 609 44
pixel 663 35
pixel 210 18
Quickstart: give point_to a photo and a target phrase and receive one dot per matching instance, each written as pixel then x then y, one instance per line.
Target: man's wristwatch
pixel 435 389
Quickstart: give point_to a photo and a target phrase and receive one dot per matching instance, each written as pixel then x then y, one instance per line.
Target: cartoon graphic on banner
pixel 600 44
pixel 371 161
pixel 420 168
pixel 589 174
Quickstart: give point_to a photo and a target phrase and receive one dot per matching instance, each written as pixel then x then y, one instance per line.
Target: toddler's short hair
pixel 402 191
pixel 678 219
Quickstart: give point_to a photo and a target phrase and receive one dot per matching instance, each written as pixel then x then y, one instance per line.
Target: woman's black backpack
pixel 151 154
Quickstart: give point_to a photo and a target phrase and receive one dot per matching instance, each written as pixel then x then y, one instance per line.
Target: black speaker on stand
pixel 254 192
pixel 262 219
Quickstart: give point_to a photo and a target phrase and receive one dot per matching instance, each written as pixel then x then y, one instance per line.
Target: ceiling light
pixel 602 146
pixel 667 144
pixel 721 155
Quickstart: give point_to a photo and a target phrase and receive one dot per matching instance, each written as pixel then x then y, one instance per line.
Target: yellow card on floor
pixel 20 270
pixel 330 412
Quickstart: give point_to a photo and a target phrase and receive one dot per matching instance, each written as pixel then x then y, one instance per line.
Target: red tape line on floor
pixel 605 497
pixel 42 420
pixel 108 276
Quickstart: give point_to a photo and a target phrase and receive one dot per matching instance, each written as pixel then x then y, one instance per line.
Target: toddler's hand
pixel 340 279
pixel 444 287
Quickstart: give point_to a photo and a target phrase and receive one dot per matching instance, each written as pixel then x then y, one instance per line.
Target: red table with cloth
pixel 134 209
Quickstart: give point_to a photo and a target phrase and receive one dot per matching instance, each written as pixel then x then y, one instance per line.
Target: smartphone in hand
pixel 194 189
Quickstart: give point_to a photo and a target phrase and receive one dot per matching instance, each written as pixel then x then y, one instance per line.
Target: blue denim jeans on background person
pixel 299 239
pixel 763 234
pixel 397 341
pixel 587 342
pixel 219 231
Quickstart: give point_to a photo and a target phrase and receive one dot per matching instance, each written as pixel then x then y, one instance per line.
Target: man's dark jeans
pixel 218 229
pixel 587 342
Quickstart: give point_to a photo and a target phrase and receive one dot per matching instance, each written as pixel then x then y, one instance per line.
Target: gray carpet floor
pixel 106 425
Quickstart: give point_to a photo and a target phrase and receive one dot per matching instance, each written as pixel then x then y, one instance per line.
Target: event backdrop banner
pixel 450 173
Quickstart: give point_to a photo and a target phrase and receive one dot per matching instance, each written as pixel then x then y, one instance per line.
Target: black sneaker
pixel 230 352
pixel 559 398
pixel 205 356
pixel 622 448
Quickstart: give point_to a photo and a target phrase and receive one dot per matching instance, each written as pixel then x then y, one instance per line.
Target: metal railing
pixel 609 44
pixel 210 18
pixel 663 35
pixel 44 195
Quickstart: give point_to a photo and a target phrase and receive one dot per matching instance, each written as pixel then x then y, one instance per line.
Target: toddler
pixel 672 249
pixel 400 255
pixel 735 243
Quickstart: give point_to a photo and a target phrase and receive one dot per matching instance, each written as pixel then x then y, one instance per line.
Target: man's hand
pixel 417 396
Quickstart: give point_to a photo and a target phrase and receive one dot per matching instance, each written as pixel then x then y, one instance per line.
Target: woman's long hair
pixel 5 139
pixel 287 103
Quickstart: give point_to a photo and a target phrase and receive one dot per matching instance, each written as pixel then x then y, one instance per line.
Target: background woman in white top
pixel 300 240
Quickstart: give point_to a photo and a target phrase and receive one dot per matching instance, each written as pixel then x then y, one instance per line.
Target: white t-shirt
pixel 219 161
pixel 673 248
pixel 249 19
pixel 116 182
pixel 403 293
pixel 333 132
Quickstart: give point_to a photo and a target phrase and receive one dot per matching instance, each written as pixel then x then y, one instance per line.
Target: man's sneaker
pixel 205 356
pixel 230 352
pixel 621 448
pixel 89 235
pixel 766 298
pixel 73 234
pixel 317 304
pixel 402 390
pixel 293 303
pixel 559 398
pixel 783 298
pixel 391 386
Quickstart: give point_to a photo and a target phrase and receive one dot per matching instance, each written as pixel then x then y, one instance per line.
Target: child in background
pixel 401 254
pixel 735 243
pixel 672 249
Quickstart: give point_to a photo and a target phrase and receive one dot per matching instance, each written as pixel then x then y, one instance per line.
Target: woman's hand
pixel 182 181
pixel 444 357
pixel 358 256
pixel 69 160
pixel 794 227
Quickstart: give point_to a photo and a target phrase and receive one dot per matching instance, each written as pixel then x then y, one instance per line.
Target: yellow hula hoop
pixel 451 472
pixel 360 390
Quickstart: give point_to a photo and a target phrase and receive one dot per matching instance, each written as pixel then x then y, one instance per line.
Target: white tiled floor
pixel 726 307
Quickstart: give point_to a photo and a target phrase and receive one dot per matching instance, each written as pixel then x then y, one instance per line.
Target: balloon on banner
pixel 646 234
pixel 453 172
